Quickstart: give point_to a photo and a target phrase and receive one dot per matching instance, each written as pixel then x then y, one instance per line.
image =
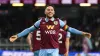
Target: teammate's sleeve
pixel 30 29
pixel 70 29
pixel 68 35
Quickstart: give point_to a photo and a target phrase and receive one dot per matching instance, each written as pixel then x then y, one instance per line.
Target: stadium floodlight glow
pixel 17 4
pixel 85 4
pixel 40 4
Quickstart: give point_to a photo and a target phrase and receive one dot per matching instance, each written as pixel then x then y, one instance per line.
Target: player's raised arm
pixel 26 31
pixel 73 30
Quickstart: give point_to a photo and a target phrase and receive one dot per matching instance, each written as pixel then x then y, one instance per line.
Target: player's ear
pixel 54 12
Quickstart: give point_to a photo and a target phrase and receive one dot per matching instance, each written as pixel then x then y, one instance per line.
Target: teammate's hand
pixel 13 38
pixel 87 34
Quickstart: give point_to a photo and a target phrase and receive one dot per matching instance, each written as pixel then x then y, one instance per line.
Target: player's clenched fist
pixel 13 38
pixel 87 34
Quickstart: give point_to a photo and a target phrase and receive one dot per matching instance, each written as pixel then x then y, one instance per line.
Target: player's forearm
pixel 29 42
pixel 29 39
pixel 67 50
pixel 67 45
pixel 75 31
pixel 26 31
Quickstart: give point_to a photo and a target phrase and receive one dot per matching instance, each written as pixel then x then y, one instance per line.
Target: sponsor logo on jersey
pixel 50 31
pixel 50 26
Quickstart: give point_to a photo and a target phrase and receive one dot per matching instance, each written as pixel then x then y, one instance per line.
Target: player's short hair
pixel 50 5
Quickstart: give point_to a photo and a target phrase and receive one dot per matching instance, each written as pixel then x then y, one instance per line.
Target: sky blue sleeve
pixel 75 31
pixel 62 24
pixel 68 35
pixel 70 29
pixel 30 29
pixel 37 24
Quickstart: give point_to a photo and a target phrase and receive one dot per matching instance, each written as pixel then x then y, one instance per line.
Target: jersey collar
pixel 52 19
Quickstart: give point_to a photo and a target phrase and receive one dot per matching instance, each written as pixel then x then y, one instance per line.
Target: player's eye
pixel 48 9
pixel 51 9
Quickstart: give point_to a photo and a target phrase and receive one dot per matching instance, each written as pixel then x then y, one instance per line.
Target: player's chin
pixel 50 16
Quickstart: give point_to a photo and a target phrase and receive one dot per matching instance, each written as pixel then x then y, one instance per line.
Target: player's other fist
pixel 13 38
pixel 87 34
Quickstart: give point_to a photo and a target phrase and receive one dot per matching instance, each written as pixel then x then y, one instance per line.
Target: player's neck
pixel 49 17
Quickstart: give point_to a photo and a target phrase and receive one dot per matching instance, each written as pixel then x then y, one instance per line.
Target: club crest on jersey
pixel 50 26
pixel 55 22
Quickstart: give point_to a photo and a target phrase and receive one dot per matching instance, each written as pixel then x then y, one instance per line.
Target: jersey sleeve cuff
pixel 35 27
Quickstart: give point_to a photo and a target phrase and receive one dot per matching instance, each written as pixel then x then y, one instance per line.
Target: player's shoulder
pixel 42 19
pixel 57 18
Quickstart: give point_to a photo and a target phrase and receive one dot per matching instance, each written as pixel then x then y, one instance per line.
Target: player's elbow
pixel 67 39
pixel 67 42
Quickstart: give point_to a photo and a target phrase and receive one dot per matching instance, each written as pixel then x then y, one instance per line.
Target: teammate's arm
pixel 73 30
pixel 89 43
pixel 26 31
pixel 67 43
pixel 29 40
